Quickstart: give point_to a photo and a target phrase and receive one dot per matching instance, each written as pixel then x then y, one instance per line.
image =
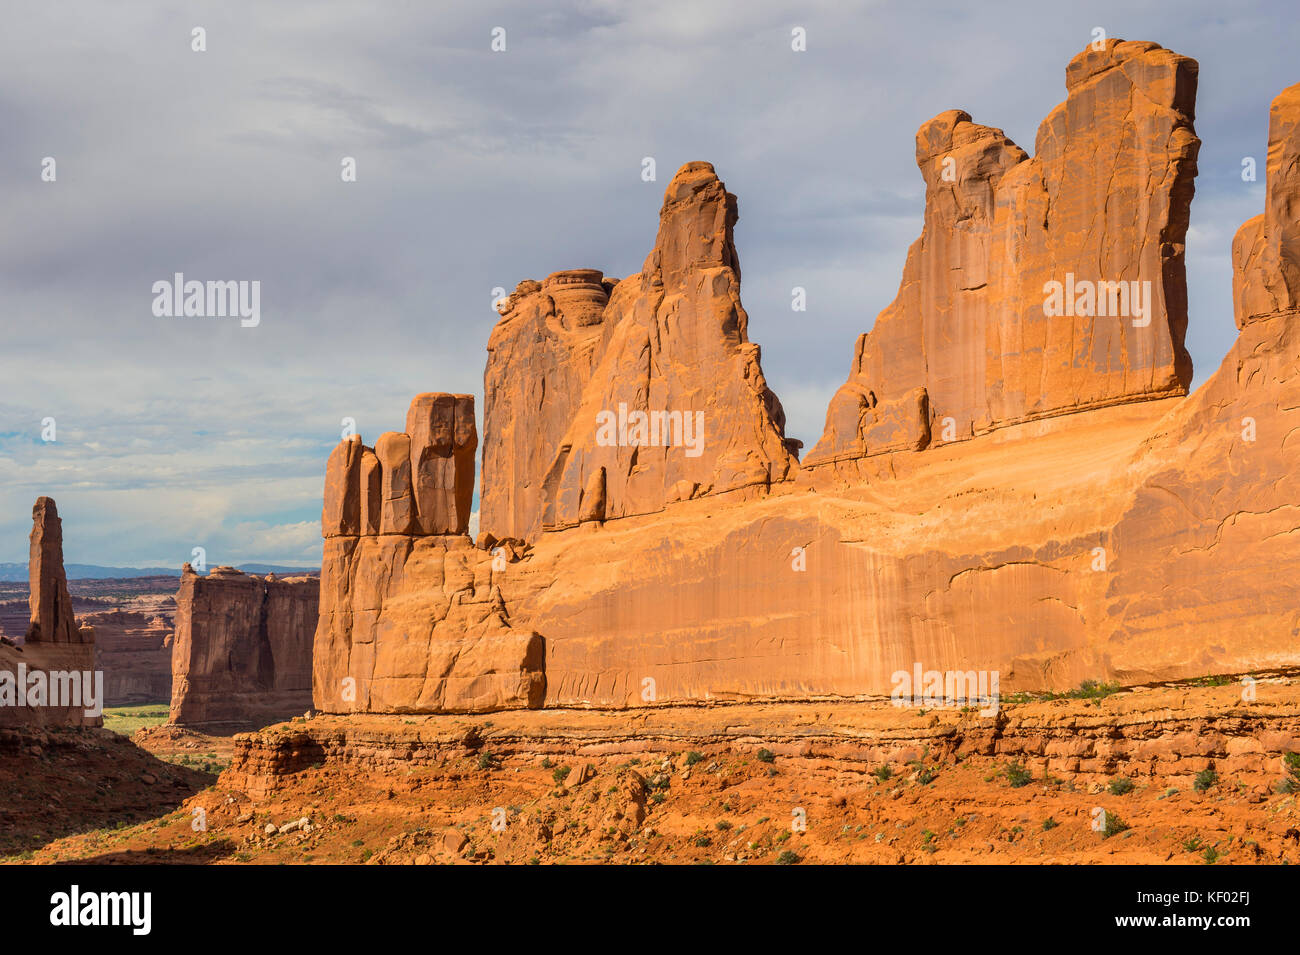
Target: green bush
pixel 1291 782
pixel 1017 775
pixel 788 857
pixel 1121 785
pixel 766 756
pixel 1205 779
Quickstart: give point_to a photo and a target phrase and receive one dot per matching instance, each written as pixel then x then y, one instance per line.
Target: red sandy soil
pixel 716 793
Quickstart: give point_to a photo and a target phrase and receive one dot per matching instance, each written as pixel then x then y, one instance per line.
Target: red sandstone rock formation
pixel 1104 200
pixel 52 619
pixel 540 359
pixel 446 643
pixel 653 397
pixel 1094 523
pixel 243 647
pixel 133 649
pixel 56 649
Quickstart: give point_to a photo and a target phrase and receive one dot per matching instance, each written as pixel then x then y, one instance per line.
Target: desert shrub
pixel 1291 781
pixel 1113 825
pixel 1017 775
pixel 1121 785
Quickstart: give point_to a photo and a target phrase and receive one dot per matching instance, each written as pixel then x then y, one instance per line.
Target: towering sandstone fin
pixel 676 405
pixel 57 656
pixel 1209 539
pixel 410 620
pixel 1266 250
pixel 1096 524
pixel 52 620
pixel 540 358
pixel 978 337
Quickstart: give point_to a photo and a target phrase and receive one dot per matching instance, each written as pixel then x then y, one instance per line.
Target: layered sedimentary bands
pixel 1012 479
pixel 133 649
pixel 49 679
pixel 243 647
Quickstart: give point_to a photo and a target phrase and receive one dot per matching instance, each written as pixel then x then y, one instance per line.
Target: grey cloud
pixel 476 170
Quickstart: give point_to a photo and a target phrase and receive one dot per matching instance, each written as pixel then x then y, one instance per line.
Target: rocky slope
pixel 1170 774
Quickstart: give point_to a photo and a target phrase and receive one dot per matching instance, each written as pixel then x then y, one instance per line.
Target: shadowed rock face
pixel 52 620
pixel 660 390
pixel 1094 522
pixel 55 648
pixel 1104 201
pixel 243 647
pixel 134 650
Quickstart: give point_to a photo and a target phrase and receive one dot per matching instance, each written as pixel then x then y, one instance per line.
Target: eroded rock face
pixel 1133 542
pixel 1266 250
pixel 415 625
pixel 1094 523
pixel 133 649
pixel 1102 204
pixel 409 618
pixel 243 647
pixel 540 359
pixel 660 389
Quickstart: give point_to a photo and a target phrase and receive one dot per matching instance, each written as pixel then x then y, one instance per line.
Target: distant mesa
pixel 242 653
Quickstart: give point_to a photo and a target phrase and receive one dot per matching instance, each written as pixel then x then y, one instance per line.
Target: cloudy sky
pixel 476 169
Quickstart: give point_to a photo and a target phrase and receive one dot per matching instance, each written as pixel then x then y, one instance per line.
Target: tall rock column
pixel 55 646
pixel 677 406
pixel 52 620
pixel 1038 286
pixel 410 619
pixel 443 441
pixel 540 358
